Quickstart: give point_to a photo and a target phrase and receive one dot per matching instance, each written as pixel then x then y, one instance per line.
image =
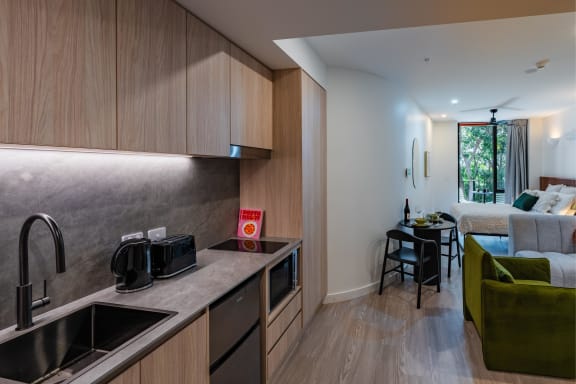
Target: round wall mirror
pixel 415 161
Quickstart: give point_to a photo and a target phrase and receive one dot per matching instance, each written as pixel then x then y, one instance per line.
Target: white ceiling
pixel 482 64
pixel 398 47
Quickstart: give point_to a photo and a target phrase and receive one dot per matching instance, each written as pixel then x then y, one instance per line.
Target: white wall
pixel 560 159
pixel 301 52
pixel 371 124
pixel 444 170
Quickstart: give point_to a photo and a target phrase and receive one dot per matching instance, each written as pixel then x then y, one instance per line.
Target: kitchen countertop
pixel 188 294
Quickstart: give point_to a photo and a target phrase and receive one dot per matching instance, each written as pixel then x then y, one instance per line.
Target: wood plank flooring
pixel 386 340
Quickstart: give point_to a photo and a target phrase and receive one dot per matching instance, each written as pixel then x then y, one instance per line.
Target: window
pixel 481 162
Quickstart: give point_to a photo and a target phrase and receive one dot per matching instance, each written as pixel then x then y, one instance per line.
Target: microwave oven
pixel 283 278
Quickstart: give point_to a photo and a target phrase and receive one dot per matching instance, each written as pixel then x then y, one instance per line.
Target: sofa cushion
pixel 562 266
pixel 503 274
pixel 531 282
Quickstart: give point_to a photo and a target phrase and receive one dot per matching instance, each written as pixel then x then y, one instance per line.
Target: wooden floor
pixel 386 340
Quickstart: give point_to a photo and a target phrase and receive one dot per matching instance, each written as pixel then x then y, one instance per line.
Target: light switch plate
pixel 157 234
pixel 135 235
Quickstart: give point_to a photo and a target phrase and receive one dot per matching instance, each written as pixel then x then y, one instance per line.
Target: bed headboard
pixel 545 180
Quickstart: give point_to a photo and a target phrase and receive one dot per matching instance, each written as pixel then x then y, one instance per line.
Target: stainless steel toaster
pixel 173 255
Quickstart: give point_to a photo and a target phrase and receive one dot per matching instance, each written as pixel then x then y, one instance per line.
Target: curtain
pixel 516 175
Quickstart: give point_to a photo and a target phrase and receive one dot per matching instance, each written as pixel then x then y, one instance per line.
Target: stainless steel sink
pixel 57 350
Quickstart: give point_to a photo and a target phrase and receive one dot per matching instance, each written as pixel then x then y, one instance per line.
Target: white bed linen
pixel 483 218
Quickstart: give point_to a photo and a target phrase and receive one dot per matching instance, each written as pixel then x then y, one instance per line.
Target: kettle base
pixel 130 290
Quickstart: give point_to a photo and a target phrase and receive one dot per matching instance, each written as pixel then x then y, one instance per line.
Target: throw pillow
pixel 569 190
pixel 525 201
pixel 562 207
pixel 554 188
pixel 503 274
pixel 546 200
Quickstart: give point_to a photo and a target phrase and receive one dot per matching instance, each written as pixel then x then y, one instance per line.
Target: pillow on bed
pixel 546 200
pixel 569 190
pixel 525 201
pixel 563 205
pixel 554 187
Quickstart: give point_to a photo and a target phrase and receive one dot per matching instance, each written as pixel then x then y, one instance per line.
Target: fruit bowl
pixel 420 220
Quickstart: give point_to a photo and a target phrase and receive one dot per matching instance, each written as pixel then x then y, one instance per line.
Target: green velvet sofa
pixel 525 324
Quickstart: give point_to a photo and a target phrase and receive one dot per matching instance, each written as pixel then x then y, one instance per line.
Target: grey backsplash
pixel 95 198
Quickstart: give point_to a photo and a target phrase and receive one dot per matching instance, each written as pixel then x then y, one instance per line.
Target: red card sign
pixel 250 223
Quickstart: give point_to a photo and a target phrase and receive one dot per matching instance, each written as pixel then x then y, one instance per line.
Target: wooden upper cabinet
pixel 251 101
pixel 151 45
pixel 181 360
pixel 208 90
pixel 58 73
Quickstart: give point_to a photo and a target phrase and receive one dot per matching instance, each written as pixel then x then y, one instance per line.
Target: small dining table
pixel 431 231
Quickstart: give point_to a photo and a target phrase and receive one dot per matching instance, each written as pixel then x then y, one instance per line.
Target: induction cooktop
pixel 249 245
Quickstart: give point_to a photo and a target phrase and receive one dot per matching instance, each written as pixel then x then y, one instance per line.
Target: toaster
pixel 172 255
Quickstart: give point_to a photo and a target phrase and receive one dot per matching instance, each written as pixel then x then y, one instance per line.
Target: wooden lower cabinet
pixel 278 325
pixel 277 355
pixel 183 359
pixel 281 333
pixel 129 376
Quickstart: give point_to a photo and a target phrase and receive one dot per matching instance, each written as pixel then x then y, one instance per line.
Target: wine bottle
pixel 406 212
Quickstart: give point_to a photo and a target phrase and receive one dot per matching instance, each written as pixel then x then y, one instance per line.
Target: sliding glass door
pixel 481 162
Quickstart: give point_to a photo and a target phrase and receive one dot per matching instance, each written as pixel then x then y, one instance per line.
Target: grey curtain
pixel 516 159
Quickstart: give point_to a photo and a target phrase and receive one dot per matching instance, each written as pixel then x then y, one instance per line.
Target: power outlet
pixel 157 234
pixel 136 235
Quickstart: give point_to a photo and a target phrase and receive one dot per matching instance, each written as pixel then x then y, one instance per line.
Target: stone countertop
pixel 187 294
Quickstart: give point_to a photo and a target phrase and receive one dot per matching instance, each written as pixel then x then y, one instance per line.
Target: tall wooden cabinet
pixel 251 101
pixel 151 76
pixel 58 73
pixel 291 187
pixel 208 90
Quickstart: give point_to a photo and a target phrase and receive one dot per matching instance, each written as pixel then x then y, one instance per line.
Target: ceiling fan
pixel 503 105
pixel 493 119
pixel 540 65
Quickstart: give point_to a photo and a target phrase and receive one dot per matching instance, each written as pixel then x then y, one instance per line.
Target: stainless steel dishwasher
pixel 235 335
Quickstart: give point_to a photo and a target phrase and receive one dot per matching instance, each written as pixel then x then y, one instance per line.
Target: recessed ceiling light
pixel 443 116
pixel 454 101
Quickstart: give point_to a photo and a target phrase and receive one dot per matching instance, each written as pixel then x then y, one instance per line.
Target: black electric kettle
pixel 131 265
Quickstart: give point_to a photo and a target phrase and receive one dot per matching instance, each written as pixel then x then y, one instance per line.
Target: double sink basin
pixel 60 349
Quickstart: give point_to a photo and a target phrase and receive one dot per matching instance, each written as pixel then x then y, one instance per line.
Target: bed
pixel 492 219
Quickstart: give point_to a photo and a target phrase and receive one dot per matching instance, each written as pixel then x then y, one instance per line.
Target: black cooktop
pixel 249 245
